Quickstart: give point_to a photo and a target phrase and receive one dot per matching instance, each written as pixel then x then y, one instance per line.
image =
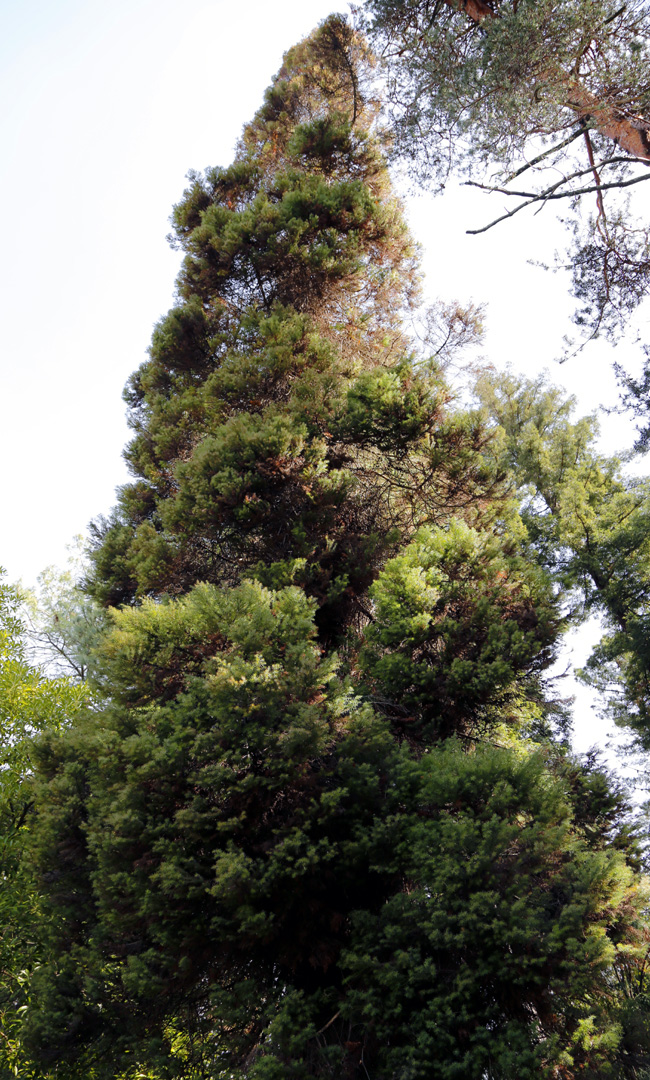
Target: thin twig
pixel 553 187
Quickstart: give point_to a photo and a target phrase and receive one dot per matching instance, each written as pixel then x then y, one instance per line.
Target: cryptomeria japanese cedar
pixel 282 428
pixel 263 859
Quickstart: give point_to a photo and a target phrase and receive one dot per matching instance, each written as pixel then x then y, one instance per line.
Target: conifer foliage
pixel 263 858
pixel 281 429
pixel 540 101
pixel 588 524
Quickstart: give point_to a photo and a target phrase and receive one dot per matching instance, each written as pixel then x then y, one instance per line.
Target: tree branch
pixel 547 153
pixel 531 197
pixel 596 175
pixel 553 187
pixel 632 137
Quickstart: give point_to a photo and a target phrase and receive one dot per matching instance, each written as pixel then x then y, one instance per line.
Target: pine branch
pixel 533 197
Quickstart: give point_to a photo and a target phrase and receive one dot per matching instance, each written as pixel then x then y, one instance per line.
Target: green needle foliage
pixel 542 101
pixel 282 429
pixel 589 525
pixel 263 858
pixel 224 830
pixel 471 971
pixel 253 856
pixel 457 616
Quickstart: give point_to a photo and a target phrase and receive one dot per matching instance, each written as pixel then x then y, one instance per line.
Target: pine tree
pixel 263 858
pixel 542 101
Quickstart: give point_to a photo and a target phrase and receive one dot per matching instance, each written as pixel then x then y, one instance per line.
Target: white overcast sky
pixel 105 108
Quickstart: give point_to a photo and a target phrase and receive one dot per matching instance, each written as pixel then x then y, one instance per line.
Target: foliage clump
pixel 30 703
pixel 587 524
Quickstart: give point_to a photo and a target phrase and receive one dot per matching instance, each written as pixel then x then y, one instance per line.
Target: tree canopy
pixel 588 524
pixel 540 101
pixel 281 427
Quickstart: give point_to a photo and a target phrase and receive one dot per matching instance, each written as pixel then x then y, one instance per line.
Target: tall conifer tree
pixel 259 863
pixel 281 426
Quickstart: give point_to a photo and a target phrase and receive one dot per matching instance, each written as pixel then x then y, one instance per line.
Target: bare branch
pixel 596 175
pixel 531 197
pixel 548 153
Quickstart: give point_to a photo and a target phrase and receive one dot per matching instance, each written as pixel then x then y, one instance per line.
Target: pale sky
pixel 105 108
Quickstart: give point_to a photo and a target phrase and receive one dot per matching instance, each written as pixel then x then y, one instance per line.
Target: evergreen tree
pixel 587 523
pixel 539 100
pixel 282 429
pixel 261 858
pixel 247 875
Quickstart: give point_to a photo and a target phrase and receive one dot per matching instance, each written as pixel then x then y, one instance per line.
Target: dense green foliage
pixel 29 704
pixel 315 825
pixel 470 971
pixel 259 855
pixel 589 526
pixel 281 427
pixel 457 616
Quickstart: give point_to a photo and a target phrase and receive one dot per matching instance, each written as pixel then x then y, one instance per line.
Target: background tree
pixel 63 624
pixel 29 704
pixel 636 398
pixel 588 525
pixel 540 101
